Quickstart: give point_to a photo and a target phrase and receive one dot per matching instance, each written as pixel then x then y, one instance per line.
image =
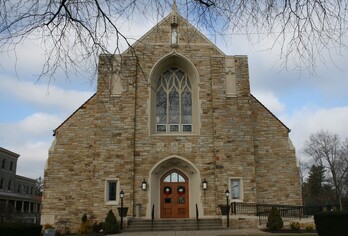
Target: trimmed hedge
pixel 333 223
pixel 20 229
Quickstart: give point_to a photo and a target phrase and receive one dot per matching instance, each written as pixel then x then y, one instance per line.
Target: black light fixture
pixel 121 196
pixel 227 194
pixel 143 185
pixel 204 184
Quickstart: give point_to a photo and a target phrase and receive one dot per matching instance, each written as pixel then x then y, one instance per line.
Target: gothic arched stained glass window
pixel 173 102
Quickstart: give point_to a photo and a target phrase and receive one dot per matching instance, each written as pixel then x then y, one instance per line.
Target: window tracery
pixel 173 102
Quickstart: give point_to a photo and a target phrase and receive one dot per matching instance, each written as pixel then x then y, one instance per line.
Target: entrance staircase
pixel 139 225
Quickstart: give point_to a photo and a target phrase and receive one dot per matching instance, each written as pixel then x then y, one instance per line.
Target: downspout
pixel 134 127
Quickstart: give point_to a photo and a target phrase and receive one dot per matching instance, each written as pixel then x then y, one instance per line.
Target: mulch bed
pixel 289 231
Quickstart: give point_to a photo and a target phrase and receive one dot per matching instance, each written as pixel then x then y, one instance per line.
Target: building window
pixel 9 185
pixel 11 165
pixel 174 177
pixel 1 183
pixel 111 191
pixel 3 164
pixel 236 189
pixel 173 102
pixel 18 188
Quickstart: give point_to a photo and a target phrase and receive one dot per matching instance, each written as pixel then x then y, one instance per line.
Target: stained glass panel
pixel 173 102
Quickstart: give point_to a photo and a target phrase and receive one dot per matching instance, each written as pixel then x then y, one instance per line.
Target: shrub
pixel 20 229
pixel 275 221
pixel 85 226
pixel 48 226
pixel 111 225
pixel 84 218
pixel 332 223
pixel 295 225
pixel 309 227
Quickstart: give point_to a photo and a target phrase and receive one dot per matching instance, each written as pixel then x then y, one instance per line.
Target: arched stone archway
pixel 164 166
pixel 177 61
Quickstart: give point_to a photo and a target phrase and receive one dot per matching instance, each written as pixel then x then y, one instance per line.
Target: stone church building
pixel 173 125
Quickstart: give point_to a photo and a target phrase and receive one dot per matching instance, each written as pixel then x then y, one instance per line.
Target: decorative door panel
pixel 174 195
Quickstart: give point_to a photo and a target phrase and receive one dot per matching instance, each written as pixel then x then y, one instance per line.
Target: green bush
pixel 111 225
pixel 333 223
pixel 275 221
pixel 309 227
pixel 20 229
pixel 295 225
pixel 84 218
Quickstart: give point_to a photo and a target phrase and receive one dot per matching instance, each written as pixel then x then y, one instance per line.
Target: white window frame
pixel 106 192
pixel 241 194
pixel 183 63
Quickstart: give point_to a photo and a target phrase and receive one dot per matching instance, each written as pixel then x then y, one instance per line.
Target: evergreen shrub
pixel 332 223
pixel 111 225
pixel 275 221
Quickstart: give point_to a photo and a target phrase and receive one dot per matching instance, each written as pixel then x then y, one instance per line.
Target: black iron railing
pixel 197 215
pixel 152 215
pixel 287 212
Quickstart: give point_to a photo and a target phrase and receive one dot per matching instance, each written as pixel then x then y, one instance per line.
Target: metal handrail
pixel 197 219
pixel 152 215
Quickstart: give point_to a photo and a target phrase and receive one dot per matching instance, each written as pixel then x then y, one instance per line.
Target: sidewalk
pixel 227 232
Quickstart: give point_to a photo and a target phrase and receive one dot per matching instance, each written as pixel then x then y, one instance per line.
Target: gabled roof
pixel 81 107
pixel 167 19
pixel 289 130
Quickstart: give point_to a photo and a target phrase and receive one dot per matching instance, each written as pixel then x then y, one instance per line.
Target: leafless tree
pixel 72 31
pixel 327 150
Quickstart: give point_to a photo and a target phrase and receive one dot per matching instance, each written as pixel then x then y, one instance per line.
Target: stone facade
pixel 113 136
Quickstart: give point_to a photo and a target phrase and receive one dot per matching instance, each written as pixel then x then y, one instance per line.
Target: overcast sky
pixel 31 109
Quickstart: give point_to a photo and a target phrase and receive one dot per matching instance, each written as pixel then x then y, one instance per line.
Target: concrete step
pixel 138 225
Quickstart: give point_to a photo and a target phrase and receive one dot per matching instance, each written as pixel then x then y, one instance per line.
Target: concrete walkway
pixel 227 232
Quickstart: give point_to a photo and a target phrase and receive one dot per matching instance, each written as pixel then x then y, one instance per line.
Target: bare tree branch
pixel 75 31
pixel 329 151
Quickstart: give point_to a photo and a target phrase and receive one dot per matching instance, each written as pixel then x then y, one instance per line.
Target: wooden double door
pixel 174 193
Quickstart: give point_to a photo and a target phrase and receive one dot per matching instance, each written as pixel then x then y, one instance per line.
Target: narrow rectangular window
pixel 9 185
pixel 112 191
pixel 236 189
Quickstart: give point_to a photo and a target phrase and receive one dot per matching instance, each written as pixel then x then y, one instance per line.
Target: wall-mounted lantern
pixel 143 185
pixel 204 184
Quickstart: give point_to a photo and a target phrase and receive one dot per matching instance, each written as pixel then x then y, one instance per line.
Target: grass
pixel 276 234
pixel 281 234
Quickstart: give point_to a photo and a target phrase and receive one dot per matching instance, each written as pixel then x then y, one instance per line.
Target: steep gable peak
pixel 175 31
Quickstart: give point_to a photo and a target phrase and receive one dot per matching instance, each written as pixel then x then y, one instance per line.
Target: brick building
pixel 19 198
pixel 171 112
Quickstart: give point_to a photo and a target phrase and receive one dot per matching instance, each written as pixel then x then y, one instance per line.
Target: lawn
pixel 280 234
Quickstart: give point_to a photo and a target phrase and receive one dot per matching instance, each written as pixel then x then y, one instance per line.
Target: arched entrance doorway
pixel 174 195
pixel 158 174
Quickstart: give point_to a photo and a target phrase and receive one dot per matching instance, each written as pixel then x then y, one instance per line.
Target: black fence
pixel 287 212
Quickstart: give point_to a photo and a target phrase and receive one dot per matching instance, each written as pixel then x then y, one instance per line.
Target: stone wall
pixel 109 136
pixel 277 173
